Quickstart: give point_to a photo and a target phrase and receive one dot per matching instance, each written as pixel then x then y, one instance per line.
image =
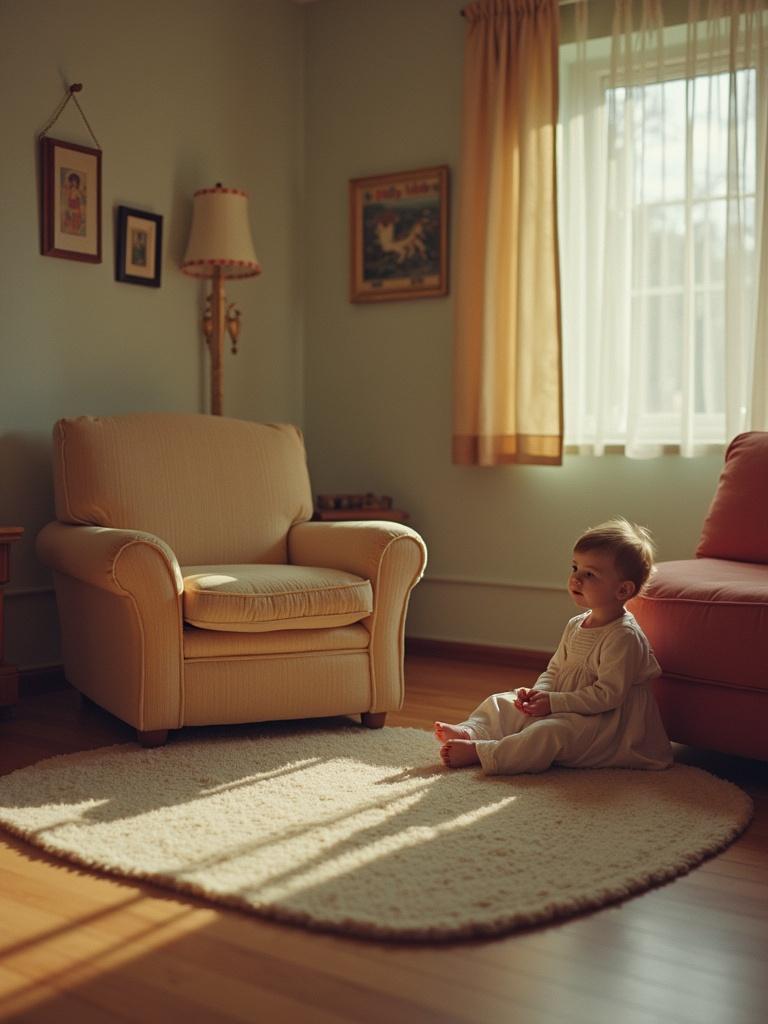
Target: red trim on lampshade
pixel 229 191
pixel 222 263
pixel 250 268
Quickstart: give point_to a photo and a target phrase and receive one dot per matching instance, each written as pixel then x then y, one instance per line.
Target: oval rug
pixel 339 827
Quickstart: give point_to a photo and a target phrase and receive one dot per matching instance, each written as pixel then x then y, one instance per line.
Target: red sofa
pixel 707 617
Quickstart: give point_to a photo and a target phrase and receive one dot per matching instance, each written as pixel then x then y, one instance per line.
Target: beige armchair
pixel 193 590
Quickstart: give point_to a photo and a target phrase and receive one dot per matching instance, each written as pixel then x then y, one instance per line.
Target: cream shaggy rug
pixel 334 826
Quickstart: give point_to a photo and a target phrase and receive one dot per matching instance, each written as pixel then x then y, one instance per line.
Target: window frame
pixel 657 428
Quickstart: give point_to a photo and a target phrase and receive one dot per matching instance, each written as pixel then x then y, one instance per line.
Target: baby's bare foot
pixel 444 731
pixel 459 753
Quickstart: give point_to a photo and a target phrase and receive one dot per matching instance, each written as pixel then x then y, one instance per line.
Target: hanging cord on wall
pixel 74 88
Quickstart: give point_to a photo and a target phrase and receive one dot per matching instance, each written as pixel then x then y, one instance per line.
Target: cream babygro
pixel 603 711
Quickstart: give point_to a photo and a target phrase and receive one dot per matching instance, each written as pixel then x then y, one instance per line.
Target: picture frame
pixel 71 201
pixel 399 235
pixel 138 247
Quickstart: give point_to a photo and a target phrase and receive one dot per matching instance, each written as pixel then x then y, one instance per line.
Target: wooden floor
pixel 79 947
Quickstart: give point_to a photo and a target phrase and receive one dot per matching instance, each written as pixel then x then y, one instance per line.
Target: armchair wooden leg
pixel 374 719
pixel 153 738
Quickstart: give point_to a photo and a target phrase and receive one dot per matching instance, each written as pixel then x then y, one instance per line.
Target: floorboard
pixel 79 946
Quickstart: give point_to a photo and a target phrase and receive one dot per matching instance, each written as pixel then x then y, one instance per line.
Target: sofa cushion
pixel 260 598
pixel 707 619
pixel 737 524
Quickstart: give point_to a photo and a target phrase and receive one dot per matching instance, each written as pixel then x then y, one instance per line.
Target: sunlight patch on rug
pixel 334 826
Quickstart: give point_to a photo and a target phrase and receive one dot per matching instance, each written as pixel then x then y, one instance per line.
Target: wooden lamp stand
pixel 216 342
pixel 218 319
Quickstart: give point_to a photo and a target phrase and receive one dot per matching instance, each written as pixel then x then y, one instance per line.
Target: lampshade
pixel 220 235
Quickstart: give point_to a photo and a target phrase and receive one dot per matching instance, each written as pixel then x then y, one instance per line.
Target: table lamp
pixel 220 245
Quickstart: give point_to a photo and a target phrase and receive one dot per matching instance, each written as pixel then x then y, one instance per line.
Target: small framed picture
pixel 139 247
pixel 399 235
pixel 71 201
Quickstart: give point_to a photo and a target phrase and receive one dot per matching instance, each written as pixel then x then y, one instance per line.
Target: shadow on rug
pixel 332 826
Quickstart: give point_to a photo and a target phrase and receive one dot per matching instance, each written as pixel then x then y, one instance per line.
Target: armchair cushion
pixel 261 598
pixel 207 644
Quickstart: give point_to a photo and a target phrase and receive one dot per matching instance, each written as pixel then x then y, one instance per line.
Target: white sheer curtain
pixel 662 182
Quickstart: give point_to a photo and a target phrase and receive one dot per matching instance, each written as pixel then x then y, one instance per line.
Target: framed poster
pixel 71 201
pixel 139 240
pixel 399 235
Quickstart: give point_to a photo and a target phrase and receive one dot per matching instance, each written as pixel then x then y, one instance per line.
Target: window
pixel 660 189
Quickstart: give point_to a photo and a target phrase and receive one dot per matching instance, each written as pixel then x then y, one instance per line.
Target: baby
pixel 592 707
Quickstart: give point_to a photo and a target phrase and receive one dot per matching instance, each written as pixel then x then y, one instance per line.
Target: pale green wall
pixel 383 94
pixel 180 94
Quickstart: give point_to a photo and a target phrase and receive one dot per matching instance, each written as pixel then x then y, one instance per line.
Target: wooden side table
pixel 9 677
pixel 338 515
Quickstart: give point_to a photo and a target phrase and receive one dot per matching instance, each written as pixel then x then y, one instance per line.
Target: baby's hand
pixel 537 703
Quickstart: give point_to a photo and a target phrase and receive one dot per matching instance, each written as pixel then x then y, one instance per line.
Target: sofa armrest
pixel 393 558
pixel 120 608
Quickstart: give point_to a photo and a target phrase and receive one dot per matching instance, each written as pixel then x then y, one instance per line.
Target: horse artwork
pixel 399 235
pixel 408 247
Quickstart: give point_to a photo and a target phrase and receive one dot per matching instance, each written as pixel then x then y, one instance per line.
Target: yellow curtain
pixel 507 365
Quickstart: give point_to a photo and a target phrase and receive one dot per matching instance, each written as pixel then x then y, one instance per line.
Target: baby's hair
pixel 630 545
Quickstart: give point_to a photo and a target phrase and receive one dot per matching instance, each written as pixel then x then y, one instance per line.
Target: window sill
pixel 653 450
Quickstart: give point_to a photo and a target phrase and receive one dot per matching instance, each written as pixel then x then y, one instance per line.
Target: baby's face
pixel 595 581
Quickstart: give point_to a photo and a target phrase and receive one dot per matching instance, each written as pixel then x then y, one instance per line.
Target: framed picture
pixel 139 246
pixel 399 235
pixel 71 201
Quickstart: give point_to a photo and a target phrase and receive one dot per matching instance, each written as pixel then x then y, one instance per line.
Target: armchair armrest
pixel 356 547
pixel 392 557
pixel 94 554
pixel 119 599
